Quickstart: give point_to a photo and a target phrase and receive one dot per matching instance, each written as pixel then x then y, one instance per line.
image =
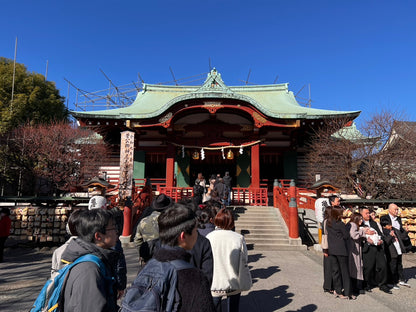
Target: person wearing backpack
pixel 86 289
pixel 147 231
pixel 57 264
pixel 179 285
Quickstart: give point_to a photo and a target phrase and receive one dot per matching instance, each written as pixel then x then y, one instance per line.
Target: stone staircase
pixel 264 229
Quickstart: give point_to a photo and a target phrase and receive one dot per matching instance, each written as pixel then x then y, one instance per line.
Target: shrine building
pixel 256 132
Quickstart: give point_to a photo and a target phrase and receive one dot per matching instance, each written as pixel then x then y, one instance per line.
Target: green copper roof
pixel 272 100
pixel 350 133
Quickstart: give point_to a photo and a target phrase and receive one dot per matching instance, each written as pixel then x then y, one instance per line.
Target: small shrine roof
pixel 273 100
pixel 351 133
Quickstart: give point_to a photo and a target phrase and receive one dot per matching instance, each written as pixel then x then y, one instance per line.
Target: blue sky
pixel 355 54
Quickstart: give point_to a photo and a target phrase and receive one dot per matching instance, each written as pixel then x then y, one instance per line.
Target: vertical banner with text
pixel 126 165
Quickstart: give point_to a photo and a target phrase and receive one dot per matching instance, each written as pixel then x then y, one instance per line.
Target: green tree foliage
pixel 35 100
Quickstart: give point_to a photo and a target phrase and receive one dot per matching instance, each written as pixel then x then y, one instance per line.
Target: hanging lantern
pixel 195 155
pixel 230 155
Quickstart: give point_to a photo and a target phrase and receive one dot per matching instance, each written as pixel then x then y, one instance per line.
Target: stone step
pixel 264 229
pixel 257 217
pixel 260 236
pixel 254 211
pixel 258 227
pixel 268 242
pixel 269 226
pixel 277 247
pixel 258 221
pixel 266 211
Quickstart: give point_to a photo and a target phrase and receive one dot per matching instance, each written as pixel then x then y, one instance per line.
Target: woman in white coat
pixel 231 273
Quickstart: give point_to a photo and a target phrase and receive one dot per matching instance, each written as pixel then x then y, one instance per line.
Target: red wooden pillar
pixel 255 166
pixel 293 212
pixel 127 221
pixel 170 166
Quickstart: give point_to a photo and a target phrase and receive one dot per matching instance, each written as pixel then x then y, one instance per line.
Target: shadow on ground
pixel 267 300
pixel 409 273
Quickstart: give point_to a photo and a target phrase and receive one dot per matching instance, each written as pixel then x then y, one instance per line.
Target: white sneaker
pixel 401 283
pixel 391 286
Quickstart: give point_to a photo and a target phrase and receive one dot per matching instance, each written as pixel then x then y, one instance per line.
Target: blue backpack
pixel 50 295
pixel 154 288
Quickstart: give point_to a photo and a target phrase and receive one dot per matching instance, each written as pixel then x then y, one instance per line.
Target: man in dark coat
pixel 227 181
pixel 374 259
pixel 202 257
pixel 178 234
pixel 397 232
pixel 222 191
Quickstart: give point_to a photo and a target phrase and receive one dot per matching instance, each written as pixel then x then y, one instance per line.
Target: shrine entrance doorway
pixel 212 164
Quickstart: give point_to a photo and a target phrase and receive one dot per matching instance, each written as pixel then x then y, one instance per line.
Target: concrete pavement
pixel 282 281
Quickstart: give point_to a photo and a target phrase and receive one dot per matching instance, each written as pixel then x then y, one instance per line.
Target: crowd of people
pixel 361 254
pixel 219 252
pixel 218 189
pixel 201 234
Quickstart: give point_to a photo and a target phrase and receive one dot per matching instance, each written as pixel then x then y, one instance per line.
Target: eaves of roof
pixel 275 101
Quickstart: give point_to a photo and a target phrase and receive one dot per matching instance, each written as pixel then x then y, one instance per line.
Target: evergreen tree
pixel 35 100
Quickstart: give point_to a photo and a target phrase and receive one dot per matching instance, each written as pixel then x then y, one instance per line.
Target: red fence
pixel 281 201
pixel 249 196
pixel 304 198
pixel 301 198
pixel 240 195
pixel 176 193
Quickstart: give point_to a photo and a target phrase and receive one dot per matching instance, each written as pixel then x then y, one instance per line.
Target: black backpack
pixel 154 288
pixel 198 189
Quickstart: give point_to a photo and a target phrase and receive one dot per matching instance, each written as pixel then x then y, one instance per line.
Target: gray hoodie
pixel 86 289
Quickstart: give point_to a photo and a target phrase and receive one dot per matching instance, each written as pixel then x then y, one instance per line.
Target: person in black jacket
pixel 338 237
pixel 328 284
pixel 178 234
pixel 202 257
pixel 227 181
pixel 394 232
pixel 222 191
pixel 374 259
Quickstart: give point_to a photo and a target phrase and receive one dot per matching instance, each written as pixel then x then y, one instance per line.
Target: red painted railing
pixel 286 200
pixel 304 198
pixel 249 196
pixel 176 193
pixel 281 201
pixel 240 195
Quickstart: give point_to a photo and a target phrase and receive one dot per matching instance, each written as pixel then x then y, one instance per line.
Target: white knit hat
pixel 97 202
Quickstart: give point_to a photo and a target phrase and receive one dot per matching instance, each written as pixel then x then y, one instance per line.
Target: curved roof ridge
pixel 273 100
